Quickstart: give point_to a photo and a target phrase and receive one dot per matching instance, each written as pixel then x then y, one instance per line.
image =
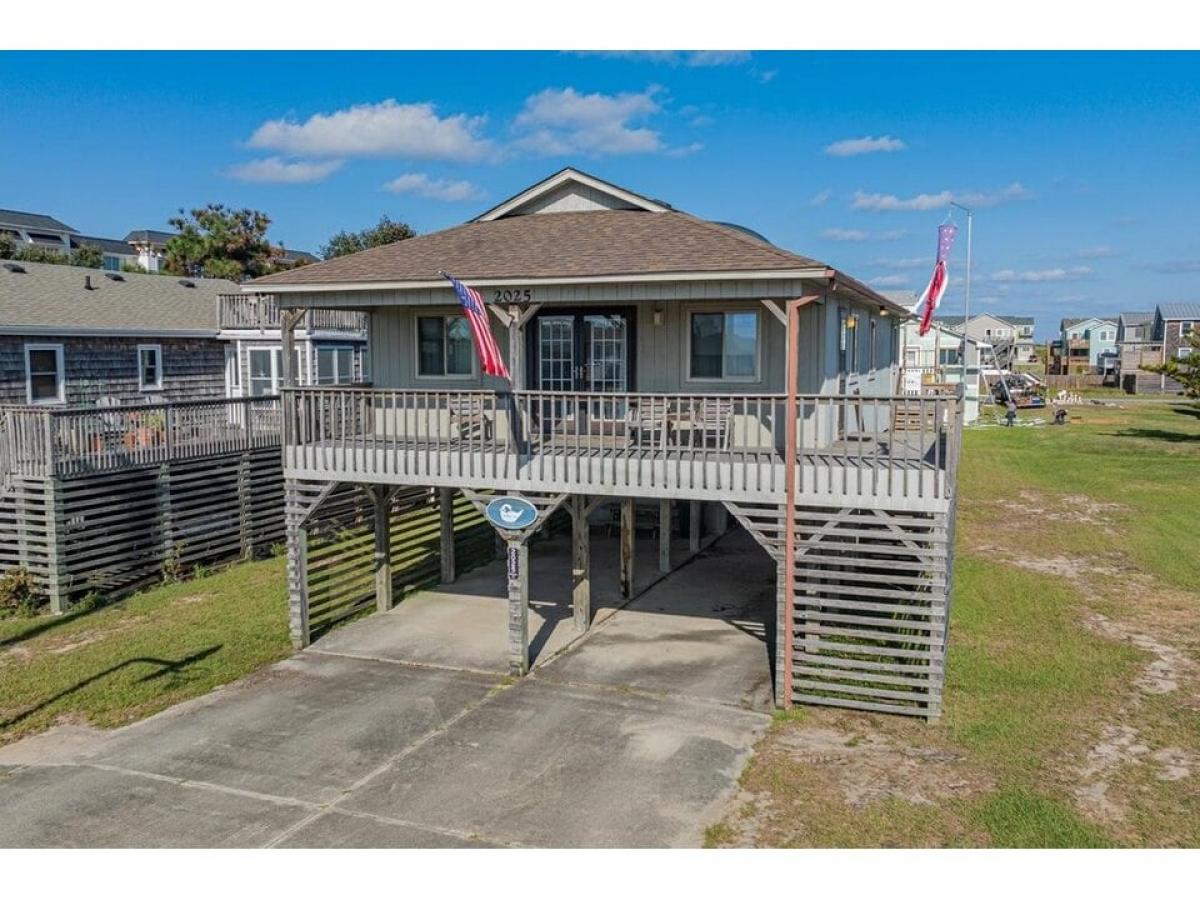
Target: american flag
pixel 932 295
pixel 485 344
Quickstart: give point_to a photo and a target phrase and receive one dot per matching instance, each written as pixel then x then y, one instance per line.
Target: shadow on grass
pixel 165 667
pixel 50 622
pixel 1159 434
pixel 1192 410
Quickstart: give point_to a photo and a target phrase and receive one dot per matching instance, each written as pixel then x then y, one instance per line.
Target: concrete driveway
pixel 632 736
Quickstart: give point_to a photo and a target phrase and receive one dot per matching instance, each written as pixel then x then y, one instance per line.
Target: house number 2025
pixel 516 295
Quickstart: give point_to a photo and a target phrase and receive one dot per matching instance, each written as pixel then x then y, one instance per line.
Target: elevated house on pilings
pixel 657 357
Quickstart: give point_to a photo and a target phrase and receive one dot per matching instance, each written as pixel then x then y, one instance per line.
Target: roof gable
pixel 571 190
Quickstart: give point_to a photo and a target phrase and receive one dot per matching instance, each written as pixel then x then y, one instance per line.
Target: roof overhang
pixel 83 331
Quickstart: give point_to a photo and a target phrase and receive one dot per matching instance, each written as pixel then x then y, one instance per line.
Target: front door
pixel 582 352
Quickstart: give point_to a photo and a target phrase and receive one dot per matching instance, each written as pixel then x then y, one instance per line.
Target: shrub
pixel 19 592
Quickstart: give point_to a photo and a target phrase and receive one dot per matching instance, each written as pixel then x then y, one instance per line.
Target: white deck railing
pixel 39 442
pixel 614 442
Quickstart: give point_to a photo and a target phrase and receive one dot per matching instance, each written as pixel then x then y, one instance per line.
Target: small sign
pixel 511 513
pixel 514 564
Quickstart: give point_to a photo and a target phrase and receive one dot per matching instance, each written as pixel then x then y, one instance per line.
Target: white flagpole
pixel 967 301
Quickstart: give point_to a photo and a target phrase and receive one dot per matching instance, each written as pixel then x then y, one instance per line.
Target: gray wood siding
pixel 571 197
pixel 95 367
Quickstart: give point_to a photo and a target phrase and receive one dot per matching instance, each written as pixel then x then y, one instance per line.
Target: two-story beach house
pixel 1086 346
pixel 655 356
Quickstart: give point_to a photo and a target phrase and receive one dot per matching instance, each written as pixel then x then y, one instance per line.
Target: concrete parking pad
pixel 553 766
pixel 632 736
pixel 707 633
pixel 464 625
pixel 308 729
pixel 82 806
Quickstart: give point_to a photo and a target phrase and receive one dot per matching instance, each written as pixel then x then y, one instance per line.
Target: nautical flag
pixel 928 302
pixel 485 344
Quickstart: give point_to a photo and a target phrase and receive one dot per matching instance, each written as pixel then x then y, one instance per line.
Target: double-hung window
pixel 149 364
pixel 44 381
pixel 848 341
pixel 335 365
pixel 444 347
pixel 723 346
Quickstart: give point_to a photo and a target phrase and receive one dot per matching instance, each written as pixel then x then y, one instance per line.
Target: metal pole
pixel 967 300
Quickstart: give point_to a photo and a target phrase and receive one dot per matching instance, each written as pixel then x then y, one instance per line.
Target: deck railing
pixel 602 441
pixel 39 442
pixel 261 312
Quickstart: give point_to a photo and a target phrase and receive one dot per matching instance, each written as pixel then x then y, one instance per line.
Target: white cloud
pixel 766 77
pixel 820 198
pixel 1037 276
pixel 1100 252
pixel 274 170
pixel 696 59
pixel 859 146
pixel 709 58
pixel 857 234
pixel 561 121
pixel 687 150
pixel 908 262
pixel 434 188
pixel 924 202
pixel 886 281
pixel 378 129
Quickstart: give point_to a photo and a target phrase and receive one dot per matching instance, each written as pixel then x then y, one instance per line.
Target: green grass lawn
pixel 121 662
pixel 1072 703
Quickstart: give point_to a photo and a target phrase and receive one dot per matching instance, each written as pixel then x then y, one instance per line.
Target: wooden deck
pixel 872 452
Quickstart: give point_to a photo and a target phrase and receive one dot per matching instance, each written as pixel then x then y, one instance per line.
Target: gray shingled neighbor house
pixel 660 362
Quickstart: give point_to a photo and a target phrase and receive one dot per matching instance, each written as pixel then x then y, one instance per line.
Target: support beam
pixel 518 607
pixel 297 564
pixel 446 547
pixel 581 575
pixel 664 536
pixel 628 533
pixel 694 512
pixel 381 498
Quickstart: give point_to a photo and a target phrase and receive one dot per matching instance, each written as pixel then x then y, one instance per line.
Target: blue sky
pixel 1084 168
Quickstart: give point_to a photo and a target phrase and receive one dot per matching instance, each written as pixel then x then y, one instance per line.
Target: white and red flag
pixel 485 343
pixel 927 303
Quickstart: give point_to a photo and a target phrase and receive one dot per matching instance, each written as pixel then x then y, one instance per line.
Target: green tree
pixel 88 255
pixel 7 247
pixel 1186 370
pixel 386 232
pixel 219 243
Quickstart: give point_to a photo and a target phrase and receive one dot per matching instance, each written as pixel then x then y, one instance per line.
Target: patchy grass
pixel 121 662
pixel 1072 704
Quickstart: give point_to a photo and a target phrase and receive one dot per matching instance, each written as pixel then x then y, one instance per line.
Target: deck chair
pixel 647 421
pixel 468 416
pixel 709 421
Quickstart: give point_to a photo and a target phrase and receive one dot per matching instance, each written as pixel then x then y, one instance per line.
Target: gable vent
pixel 14 268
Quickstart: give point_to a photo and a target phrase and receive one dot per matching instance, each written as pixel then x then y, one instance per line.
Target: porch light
pixel 851 321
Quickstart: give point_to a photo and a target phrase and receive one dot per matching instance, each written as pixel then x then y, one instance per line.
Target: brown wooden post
pixel 381 498
pixel 628 524
pixel 581 574
pixel 518 606
pixel 694 513
pixel 446 546
pixel 786 629
pixel 664 535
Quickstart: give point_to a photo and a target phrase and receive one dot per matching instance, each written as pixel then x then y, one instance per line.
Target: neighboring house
pixel 937 359
pixel 1086 346
pixel 1173 324
pixel 36 230
pixel 655 356
pixel 1160 336
pixel 72 336
pixel 1010 336
pixel 150 246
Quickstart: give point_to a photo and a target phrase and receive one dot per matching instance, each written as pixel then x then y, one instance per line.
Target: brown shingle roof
pixel 556 245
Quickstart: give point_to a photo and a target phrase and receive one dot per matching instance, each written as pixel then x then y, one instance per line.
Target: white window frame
pixel 61 397
pixel 275 357
pixel 691 310
pixel 416 330
pixel 318 349
pixel 1185 328
pixel 156 349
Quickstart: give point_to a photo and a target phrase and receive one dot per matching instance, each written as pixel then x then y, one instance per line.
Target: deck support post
pixel 297 566
pixel 55 564
pixel 446 546
pixel 581 564
pixel 694 512
pixel 518 606
pixel 664 536
pixel 628 533
pixel 381 499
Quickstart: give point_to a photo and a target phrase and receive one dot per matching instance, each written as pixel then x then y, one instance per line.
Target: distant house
pixel 937 359
pixel 1173 325
pixel 74 336
pixel 35 229
pixel 1010 336
pixel 1086 346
